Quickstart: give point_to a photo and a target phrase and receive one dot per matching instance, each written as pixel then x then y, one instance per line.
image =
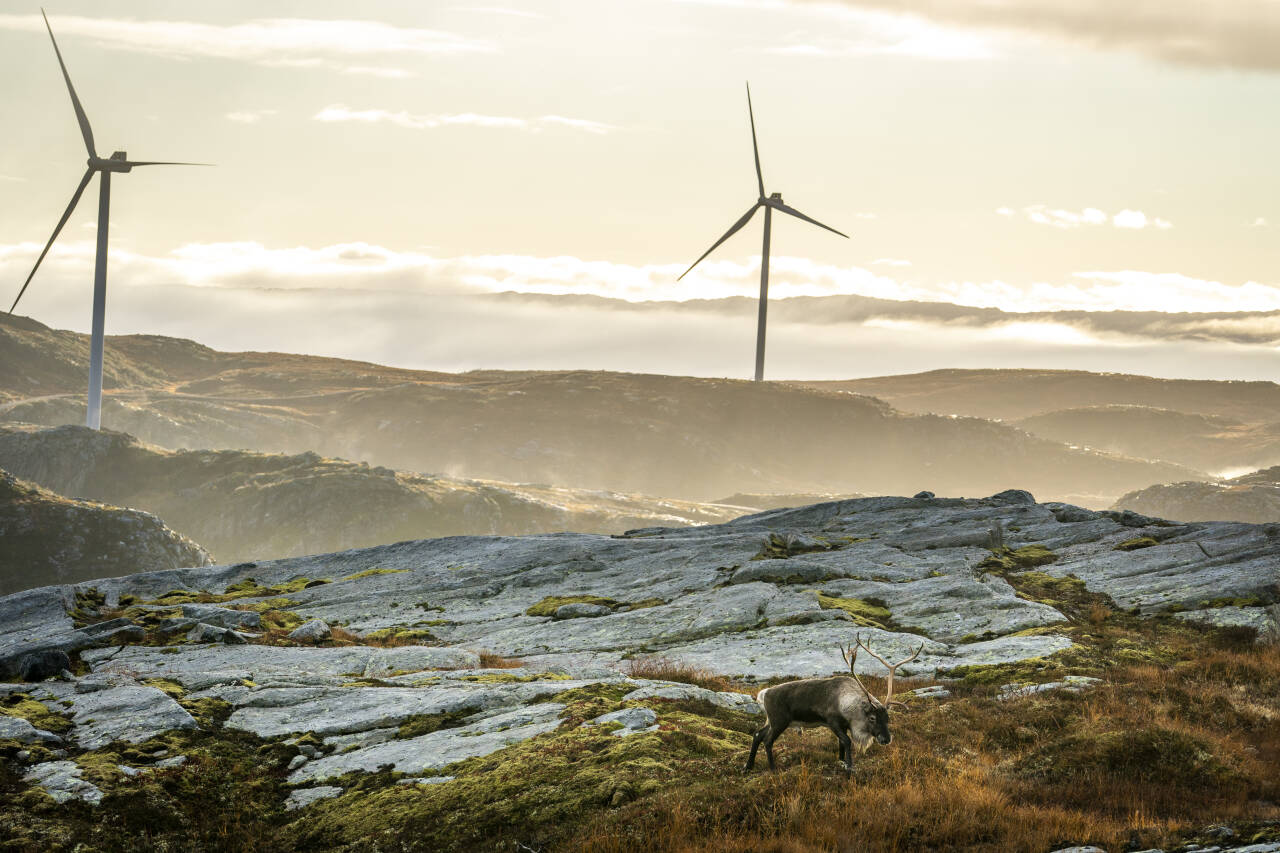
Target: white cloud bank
pixel 364 301
pixel 285 42
pixel 1209 33
pixel 403 118
pixel 1058 218
pixel 364 266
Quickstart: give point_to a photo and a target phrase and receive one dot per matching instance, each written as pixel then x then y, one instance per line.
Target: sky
pixel 383 168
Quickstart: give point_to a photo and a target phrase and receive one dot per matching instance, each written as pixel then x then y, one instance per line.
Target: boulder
pixel 312 631
pixel 581 609
pixel 62 781
pixel 631 721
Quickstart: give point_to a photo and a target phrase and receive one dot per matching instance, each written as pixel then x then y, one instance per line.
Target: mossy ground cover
pixel 549 605
pixel 871 613
pixel 1005 559
pixel 1179 735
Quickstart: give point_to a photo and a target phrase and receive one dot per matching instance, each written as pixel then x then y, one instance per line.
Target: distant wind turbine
pixel 117 162
pixel 770 204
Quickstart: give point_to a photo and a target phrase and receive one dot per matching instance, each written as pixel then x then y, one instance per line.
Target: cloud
pixel 890 35
pixel 1059 218
pixel 378 71
pixel 497 10
pixel 365 267
pixel 360 300
pixel 281 42
pixel 1239 34
pixel 250 116
pixel 403 118
pixel 1260 222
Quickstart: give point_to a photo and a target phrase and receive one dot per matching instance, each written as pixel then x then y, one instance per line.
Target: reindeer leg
pixel 846 750
pixel 841 747
pixel 755 744
pixel 768 742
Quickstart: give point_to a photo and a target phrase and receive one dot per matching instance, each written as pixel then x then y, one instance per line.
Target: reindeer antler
pixel 850 658
pixel 892 667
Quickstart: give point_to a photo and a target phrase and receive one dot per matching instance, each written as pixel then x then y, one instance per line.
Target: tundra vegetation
pixel 1180 734
pixel 1177 733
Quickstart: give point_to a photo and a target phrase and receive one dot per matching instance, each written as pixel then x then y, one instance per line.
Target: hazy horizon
pixel 378 178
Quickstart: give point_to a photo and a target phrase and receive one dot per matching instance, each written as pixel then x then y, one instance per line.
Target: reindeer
pixel 841 703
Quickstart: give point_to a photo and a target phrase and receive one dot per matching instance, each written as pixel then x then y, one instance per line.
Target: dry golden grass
pixel 489 660
pixel 666 669
pixel 341 636
pixel 1098 613
pixel 1149 757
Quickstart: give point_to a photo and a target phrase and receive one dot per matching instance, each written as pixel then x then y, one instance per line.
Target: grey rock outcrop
pixel 631 721
pixel 62 781
pixel 16 728
pixel 687 595
pixel 132 714
pixel 312 631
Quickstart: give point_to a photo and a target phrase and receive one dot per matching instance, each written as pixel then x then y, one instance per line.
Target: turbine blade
pixel 734 230
pixel 84 182
pixel 798 215
pixel 755 149
pixel 163 163
pixel 85 130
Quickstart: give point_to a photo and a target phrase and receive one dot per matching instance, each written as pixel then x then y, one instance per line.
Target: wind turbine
pixel 117 162
pixel 770 204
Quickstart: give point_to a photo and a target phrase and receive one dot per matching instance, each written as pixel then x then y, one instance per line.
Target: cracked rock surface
pixel 766 596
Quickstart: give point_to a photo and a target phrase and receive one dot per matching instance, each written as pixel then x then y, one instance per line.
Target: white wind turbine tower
pixel 117 162
pixel 770 204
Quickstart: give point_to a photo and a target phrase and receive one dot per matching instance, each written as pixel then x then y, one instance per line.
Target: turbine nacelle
pixel 117 162
pixel 773 200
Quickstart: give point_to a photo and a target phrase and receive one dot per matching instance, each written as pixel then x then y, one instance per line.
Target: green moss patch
pixel 400 637
pixel 425 724
pixel 368 573
pixel 549 605
pixel 779 547
pixel 1011 560
pixel 34 712
pixel 1136 544
pixel 167 685
pixel 247 588
pixel 869 612
pixel 547 788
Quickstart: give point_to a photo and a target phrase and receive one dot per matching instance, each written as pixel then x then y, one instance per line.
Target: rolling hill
pixel 693 439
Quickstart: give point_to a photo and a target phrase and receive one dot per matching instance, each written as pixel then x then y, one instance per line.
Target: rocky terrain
pixel 1253 497
pixel 679 437
pixel 49 539
pixel 475 691
pixel 243 505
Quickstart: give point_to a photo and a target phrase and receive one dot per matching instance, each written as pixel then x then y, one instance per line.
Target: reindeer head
pixel 877 710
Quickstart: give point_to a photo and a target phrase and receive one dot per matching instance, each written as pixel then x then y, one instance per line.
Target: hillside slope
pixel 694 439
pixel 1205 442
pixel 48 539
pixel 1254 498
pixel 1014 394
pixel 246 505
